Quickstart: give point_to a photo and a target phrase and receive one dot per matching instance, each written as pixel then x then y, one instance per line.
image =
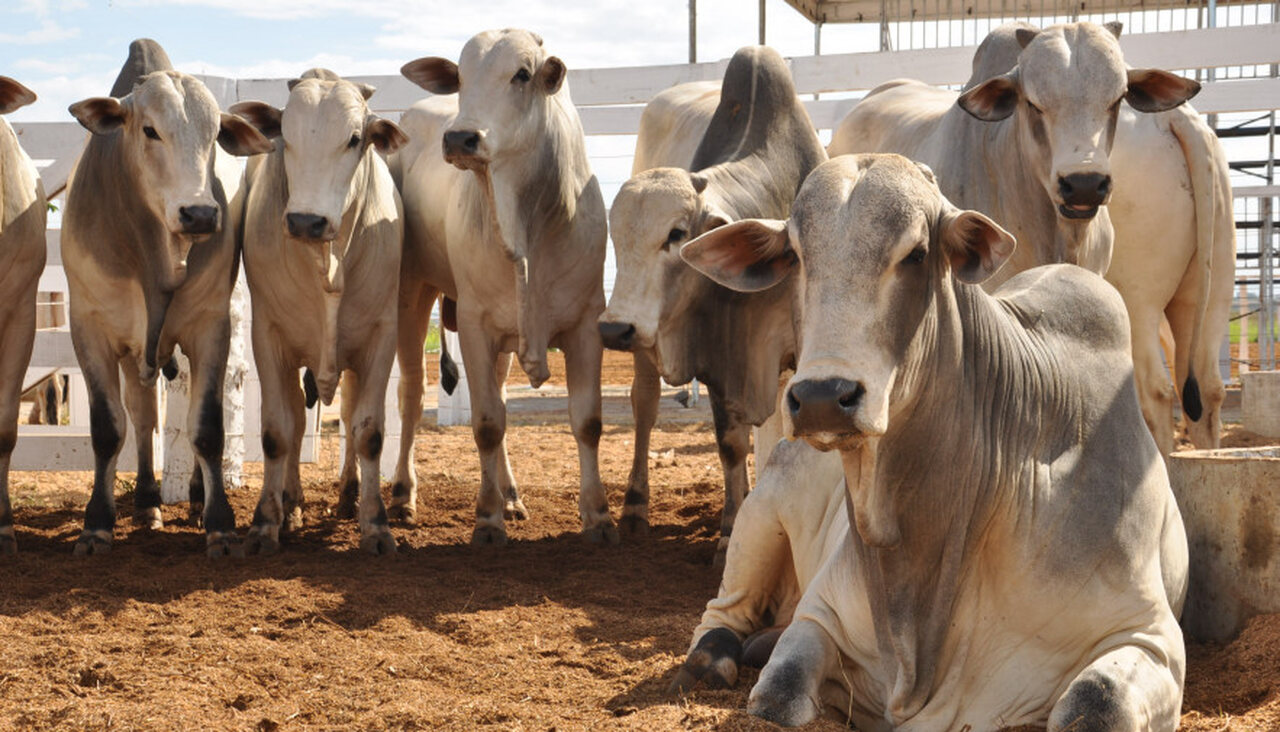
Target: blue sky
pixel 66 50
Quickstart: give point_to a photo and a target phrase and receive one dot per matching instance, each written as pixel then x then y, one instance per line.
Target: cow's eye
pixel 521 76
pixel 674 237
pixel 151 133
pixel 354 141
pixel 917 255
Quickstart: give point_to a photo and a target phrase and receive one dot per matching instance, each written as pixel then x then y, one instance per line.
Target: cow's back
pixel 672 125
pixel 899 116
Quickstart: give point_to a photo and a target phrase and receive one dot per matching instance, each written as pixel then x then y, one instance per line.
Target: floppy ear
pixel 13 95
pixel 261 115
pixel 747 256
pixel 699 182
pixel 975 245
pixel 99 115
pixel 366 90
pixel 992 100
pixel 241 138
pixel 1115 26
pixel 552 74
pixel 385 135
pixel 1153 90
pixel 436 75
pixel 1025 36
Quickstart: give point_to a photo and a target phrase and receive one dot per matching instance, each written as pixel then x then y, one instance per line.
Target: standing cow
pixel 1011 552
pixel 150 254
pixel 22 255
pixel 755 153
pixel 510 224
pixel 323 232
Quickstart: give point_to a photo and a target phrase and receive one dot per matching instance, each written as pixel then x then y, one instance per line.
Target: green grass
pixel 433 339
pixel 1233 329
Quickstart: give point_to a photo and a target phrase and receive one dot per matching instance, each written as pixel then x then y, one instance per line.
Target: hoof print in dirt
pixel 92 543
pixel 713 663
pixel 380 544
pixel 219 546
pixel 489 536
pixel 607 534
pixel 260 542
pixel 634 526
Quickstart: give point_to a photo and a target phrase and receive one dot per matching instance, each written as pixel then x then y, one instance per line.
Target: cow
pixel 323 231
pixel 757 149
pixel 22 254
pixel 149 249
pixel 509 223
pixel 1010 550
pixel 1030 146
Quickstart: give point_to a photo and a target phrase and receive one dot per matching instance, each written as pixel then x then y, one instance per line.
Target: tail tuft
pixel 1191 404
pixel 309 388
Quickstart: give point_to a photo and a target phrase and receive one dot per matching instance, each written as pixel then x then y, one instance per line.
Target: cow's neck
pixel 962 398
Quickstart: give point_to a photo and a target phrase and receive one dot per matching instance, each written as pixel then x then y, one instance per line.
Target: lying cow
pixel 22 254
pixel 509 224
pixel 1011 552
pixel 322 236
pixel 756 151
pixel 150 255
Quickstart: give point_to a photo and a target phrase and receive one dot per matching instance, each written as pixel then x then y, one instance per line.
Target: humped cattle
pixel 1004 548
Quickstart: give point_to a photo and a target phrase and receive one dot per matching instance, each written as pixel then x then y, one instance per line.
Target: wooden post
pixel 1242 352
pixel 693 31
pixel 761 22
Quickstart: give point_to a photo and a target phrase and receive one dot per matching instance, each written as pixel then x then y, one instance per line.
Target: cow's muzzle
pixel 308 226
pixel 618 336
pixel 198 220
pixel 1082 194
pixel 462 148
pixel 825 408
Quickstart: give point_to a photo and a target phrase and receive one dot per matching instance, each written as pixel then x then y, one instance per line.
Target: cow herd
pixel 970 525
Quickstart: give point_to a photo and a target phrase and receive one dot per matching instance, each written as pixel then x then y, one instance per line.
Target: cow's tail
pixel 1207 187
pixel 448 368
pixel 309 389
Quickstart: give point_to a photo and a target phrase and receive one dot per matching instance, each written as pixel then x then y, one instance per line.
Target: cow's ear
pixel 261 115
pixel 1116 27
pixel 698 181
pixel 992 100
pixel 747 256
pixel 1153 90
pixel 13 95
pixel 436 75
pixel 975 245
pixel 552 74
pixel 384 134
pixel 241 138
pixel 366 90
pixel 99 115
pixel 1025 36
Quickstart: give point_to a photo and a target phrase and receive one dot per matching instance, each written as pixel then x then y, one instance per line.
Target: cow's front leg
pixel 1124 690
pixel 195 497
pixel 283 415
pixel 582 354
pixel 789 691
pixel 140 402
pixel 349 478
pixel 733 442
pixel 107 422
pixel 489 427
pixel 646 391
pixel 208 356
pixel 413 320
pixel 368 419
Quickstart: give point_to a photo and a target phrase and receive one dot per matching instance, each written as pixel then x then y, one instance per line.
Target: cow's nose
pixel 198 219
pixel 825 405
pixel 618 336
pixel 306 226
pixel 1084 190
pixel 461 142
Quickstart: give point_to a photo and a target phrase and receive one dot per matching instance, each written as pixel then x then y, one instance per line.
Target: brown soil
pixel 547 633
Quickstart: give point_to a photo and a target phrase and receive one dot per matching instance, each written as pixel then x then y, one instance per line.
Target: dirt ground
pixel 545 634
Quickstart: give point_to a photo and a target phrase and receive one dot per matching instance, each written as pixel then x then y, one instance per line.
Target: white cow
pixel 22 254
pixel 149 248
pixel 672 125
pixel 323 233
pixel 1011 552
pixel 509 224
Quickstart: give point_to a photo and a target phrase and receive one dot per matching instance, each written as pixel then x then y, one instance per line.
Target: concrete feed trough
pixel 1261 402
pixel 1230 501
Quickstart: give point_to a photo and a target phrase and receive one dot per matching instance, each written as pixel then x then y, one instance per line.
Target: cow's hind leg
pixel 646 390
pixel 733 441
pixel 349 478
pixel 140 401
pixel 583 352
pixel 368 419
pixel 195 497
pixel 17 336
pixel 283 415
pixel 414 318
pixel 107 422
pixel 1155 388
pixel 1123 690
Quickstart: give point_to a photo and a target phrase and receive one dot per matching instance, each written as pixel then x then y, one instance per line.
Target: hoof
pixel 149 519
pixel 606 534
pixel 403 513
pixel 489 536
pixel 634 525
pixel 261 541
pixel 292 521
pixel 219 545
pixel 379 542
pixel 515 511
pixel 92 542
pixel 347 500
pixel 195 515
pixel 8 544
pixel 713 663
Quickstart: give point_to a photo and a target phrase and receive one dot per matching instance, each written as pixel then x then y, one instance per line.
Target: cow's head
pixel 653 214
pixel 168 126
pixel 875 242
pixel 327 130
pixel 1064 94
pixel 504 81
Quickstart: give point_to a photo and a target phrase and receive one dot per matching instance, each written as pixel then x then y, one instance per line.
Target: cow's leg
pixel 107 422
pixel 195 497
pixel 293 498
pixel 368 419
pixel 646 391
pixel 1205 432
pixel 208 356
pixel 513 508
pixel 414 318
pixel 1124 690
pixel 283 416
pixel 1155 390
pixel 17 336
pixel 582 355
pixel 733 441
pixel 349 478
pixel 140 402
pixel 489 426
pixel 789 691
